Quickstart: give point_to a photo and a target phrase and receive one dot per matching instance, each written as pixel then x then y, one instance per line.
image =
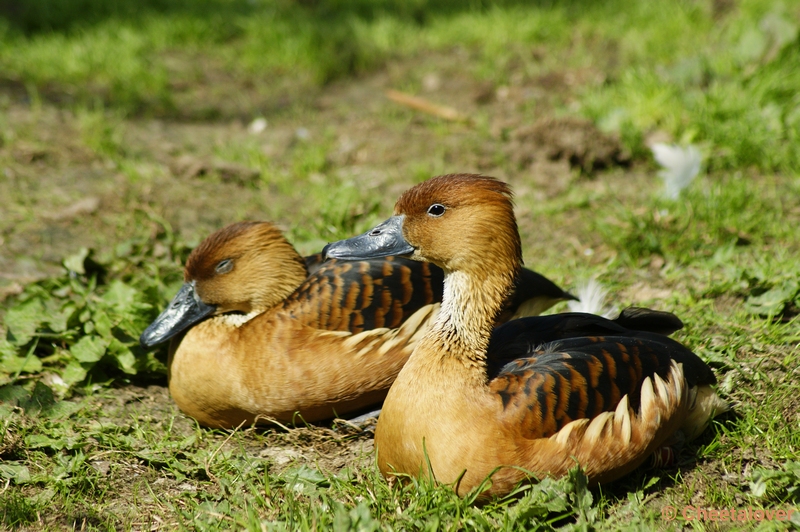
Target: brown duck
pixel 540 394
pixel 257 338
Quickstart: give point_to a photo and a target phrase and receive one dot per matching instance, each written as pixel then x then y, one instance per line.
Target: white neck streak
pixel 470 305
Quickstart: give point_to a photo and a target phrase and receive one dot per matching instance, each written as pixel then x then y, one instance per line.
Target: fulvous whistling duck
pixel 541 394
pixel 256 337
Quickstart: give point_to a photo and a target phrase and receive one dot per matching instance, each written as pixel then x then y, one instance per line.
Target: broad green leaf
pixel 303 478
pixel 358 518
pixel 75 262
pixel 23 321
pixel 42 441
pixel 61 409
pixel 89 349
pixel 551 494
pixel 773 301
pixel 579 480
pixel 7 349
pixel 17 473
pixel 73 373
pixel 17 364
pixel 123 355
pixel 59 319
pixel 149 362
pixel 120 296
pixel 13 394
pixel 41 397
pixel 133 325
pixel 102 323
pixel 43 497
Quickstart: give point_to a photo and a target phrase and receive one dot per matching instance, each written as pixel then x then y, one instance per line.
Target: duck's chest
pixel 431 416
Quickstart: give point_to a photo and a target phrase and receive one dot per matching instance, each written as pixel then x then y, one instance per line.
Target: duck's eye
pixel 224 266
pixel 436 210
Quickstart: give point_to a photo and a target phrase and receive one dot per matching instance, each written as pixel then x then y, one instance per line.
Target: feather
pixel 592 300
pixel 680 166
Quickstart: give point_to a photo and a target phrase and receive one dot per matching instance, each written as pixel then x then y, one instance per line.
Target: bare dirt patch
pixel 573 140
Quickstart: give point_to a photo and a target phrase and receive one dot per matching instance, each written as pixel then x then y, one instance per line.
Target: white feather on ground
pixel 592 299
pixel 681 165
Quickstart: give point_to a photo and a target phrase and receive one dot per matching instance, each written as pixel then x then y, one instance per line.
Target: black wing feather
pixel 555 369
pixel 361 295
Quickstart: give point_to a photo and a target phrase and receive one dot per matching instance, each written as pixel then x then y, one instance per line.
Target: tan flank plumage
pixel 260 334
pixel 542 394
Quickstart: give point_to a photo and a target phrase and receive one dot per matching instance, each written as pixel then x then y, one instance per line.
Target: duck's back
pixel 361 295
pixel 575 378
pixel 522 337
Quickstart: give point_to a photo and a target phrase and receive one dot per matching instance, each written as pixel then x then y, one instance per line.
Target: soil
pixel 67 195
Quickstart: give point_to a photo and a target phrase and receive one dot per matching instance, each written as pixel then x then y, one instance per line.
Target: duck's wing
pixel 521 337
pixel 645 319
pixel 533 294
pixel 314 262
pixel 362 295
pixel 606 403
pixel 581 378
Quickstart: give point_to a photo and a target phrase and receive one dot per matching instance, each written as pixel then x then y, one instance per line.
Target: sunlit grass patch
pixel 303 498
pixel 711 214
pixel 730 87
pixel 724 79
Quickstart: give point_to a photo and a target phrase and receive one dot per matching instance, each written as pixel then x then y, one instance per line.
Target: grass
pixel 139 104
pixel 725 80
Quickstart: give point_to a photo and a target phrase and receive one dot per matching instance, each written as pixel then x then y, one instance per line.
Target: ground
pixel 76 178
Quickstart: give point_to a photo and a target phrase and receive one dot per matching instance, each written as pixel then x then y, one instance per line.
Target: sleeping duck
pixel 537 395
pixel 255 337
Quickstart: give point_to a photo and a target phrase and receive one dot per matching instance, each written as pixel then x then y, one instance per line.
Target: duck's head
pixel 458 222
pixel 243 268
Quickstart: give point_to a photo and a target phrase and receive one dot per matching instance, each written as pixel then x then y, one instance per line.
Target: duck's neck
pixel 470 305
pixel 279 274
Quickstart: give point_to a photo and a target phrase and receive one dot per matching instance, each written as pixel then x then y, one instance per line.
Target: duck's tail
pixel 614 443
pixel 707 405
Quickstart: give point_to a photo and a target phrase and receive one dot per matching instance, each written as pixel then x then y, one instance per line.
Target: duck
pixel 485 408
pixel 260 335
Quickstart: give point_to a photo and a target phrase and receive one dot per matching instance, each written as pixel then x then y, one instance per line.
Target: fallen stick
pixel 421 104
